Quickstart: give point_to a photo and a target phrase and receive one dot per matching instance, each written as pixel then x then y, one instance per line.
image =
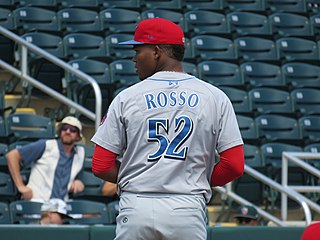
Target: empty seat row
pixel 279 128
pixel 198 48
pixel 271 153
pixel 193 22
pixel 257 101
pixel 179 5
pixel 29 212
pixel 250 74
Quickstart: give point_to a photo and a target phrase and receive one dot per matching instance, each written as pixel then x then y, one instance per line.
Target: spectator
pixel 312 232
pixel 247 216
pixel 55 164
pixel 53 211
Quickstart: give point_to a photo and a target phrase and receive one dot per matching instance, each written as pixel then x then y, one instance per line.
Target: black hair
pixel 175 51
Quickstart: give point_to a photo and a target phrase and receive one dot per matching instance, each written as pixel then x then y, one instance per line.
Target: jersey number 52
pixel 169 148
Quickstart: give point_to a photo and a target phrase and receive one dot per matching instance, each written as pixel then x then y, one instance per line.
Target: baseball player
pixel 167 128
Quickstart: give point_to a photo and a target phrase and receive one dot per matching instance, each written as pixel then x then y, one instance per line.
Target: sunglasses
pixel 244 220
pixel 71 128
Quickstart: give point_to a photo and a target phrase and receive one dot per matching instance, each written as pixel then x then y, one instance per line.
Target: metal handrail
pixel 295 157
pixel 304 202
pixel 96 117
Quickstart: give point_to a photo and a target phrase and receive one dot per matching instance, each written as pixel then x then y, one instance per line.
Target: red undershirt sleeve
pixel 103 160
pixel 230 166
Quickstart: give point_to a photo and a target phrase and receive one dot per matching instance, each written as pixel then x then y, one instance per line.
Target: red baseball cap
pixel 157 31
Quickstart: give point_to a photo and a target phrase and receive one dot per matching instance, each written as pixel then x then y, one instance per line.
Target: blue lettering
pixel 173 97
pixel 195 101
pixel 183 98
pixel 149 101
pixel 162 99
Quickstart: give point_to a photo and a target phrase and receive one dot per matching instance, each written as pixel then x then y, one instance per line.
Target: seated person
pixel 247 216
pixel 53 211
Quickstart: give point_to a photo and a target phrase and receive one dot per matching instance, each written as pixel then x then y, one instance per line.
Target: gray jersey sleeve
pixel 229 134
pixel 111 133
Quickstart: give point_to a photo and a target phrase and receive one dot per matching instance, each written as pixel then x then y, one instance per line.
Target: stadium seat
pixel 164 4
pixel 84 45
pixel 116 51
pixel 289 24
pixel 245 5
pixel 313 6
pixel 252 156
pixel 256 48
pixel 286 5
pixel 123 73
pixel 9 4
pixel 270 100
pixel 313 148
pixel 300 74
pixel 80 20
pixel 117 20
pixel 48 4
pixel 35 19
pixel 206 47
pixel 92 189
pixel 25 211
pixel 86 212
pixel 24 126
pixel 261 74
pixel 239 99
pixel 113 210
pixel 6 44
pixel 315 23
pixel 310 128
pixel 278 128
pixel 128 4
pixel 6 19
pixel 246 183
pixel 88 4
pixel 203 4
pixel 248 129
pixel 171 15
pixel 3 161
pixel 293 48
pixel 8 191
pixel 200 22
pixel 190 68
pixel 4 213
pixel 272 156
pixel 306 101
pixel 220 73
pixel 188 52
pixel 82 92
pixel 41 69
pixel 248 23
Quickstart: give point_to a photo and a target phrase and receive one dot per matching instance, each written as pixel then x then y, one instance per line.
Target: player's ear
pixel 157 51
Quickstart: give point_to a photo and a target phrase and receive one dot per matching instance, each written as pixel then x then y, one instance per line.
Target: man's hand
pixel 26 192
pixel 77 186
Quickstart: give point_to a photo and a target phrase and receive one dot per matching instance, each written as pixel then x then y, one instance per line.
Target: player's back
pixel 172 125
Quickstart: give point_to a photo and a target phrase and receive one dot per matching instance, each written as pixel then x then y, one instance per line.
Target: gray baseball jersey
pixel 168 128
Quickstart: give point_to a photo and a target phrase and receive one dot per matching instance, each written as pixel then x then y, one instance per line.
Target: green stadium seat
pixel 248 23
pixel 290 24
pixel 207 47
pixel 117 20
pixel 200 22
pixel 261 74
pixel 220 73
pixel 270 100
